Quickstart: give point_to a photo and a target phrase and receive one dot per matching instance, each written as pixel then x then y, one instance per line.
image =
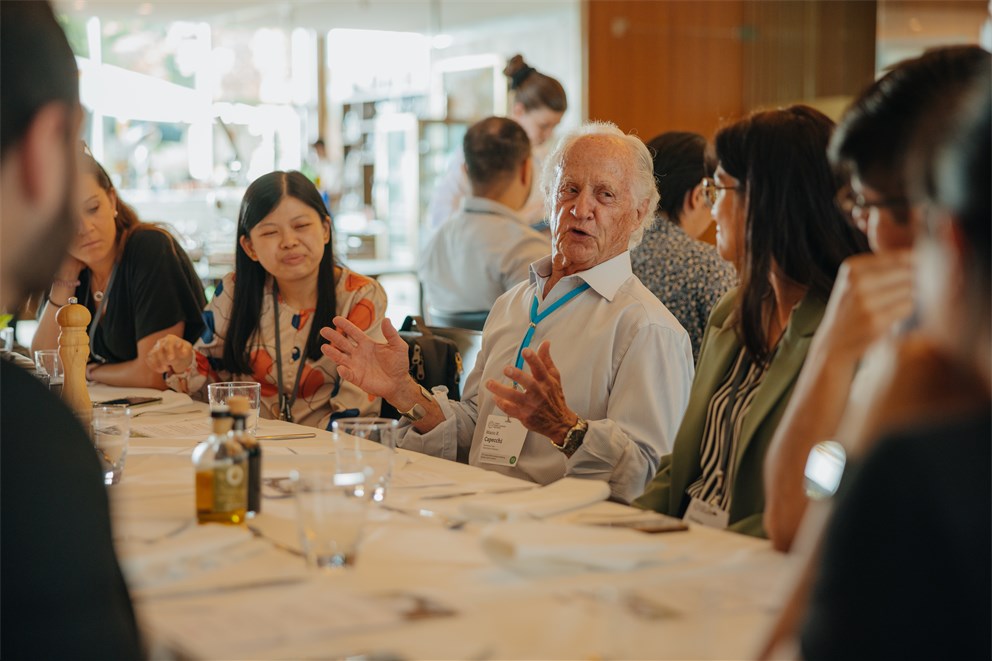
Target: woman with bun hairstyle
pixel 537 103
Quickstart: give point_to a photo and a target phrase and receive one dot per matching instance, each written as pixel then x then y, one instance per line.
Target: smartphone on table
pixel 132 402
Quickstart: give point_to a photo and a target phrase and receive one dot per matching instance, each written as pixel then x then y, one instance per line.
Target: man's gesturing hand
pixel 378 369
pixel 540 405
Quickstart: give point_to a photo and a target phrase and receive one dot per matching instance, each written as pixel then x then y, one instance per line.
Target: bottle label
pixel 230 488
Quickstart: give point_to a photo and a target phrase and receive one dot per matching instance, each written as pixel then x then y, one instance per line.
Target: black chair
pixel 469 320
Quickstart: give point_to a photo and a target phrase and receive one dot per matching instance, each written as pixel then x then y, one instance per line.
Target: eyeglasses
pixel 711 191
pixel 857 207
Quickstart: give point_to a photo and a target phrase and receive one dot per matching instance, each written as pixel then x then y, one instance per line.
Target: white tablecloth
pixel 422 586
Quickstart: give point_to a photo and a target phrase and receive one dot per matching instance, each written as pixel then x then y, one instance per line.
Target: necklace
pixel 99 291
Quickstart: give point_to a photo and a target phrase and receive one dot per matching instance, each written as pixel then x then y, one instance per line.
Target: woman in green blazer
pixel 772 197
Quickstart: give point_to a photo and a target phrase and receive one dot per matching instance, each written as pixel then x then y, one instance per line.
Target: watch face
pixel 416 413
pixel 574 437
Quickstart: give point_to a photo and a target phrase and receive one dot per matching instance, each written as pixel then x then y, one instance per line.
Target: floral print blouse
pixel 322 394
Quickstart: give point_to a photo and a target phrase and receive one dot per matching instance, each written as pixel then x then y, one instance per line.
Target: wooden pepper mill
pixel 74 351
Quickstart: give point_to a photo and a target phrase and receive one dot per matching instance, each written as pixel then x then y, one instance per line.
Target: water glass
pixel 110 429
pixel 331 509
pixel 219 393
pixel 371 444
pixel 48 368
pixel 6 339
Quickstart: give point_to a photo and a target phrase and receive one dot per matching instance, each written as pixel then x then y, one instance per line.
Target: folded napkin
pixel 541 547
pixel 566 494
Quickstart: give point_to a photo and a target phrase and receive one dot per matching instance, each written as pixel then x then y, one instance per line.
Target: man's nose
pixel 583 205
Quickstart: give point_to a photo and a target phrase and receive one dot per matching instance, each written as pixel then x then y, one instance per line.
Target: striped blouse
pixel 725 416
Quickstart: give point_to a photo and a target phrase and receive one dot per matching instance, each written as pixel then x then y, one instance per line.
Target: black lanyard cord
pixel 285 401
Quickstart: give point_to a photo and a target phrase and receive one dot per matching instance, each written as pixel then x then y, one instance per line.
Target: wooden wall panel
pixel 660 65
pixel 656 66
pixel 801 51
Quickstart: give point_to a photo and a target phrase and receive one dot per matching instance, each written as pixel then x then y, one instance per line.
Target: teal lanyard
pixel 536 318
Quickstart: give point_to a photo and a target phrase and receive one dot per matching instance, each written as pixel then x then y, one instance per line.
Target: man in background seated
pixel 485 248
pixel 607 405
pixel 62 595
pixel 686 274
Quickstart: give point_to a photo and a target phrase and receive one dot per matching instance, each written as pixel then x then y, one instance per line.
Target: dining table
pixel 432 579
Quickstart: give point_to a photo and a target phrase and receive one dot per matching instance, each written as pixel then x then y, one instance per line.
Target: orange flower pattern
pixel 322 394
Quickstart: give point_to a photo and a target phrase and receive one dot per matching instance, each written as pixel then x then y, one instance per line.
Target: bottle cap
pixel 238 405
pixel 220 412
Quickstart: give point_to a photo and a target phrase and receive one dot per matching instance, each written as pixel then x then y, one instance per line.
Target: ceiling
pixel 425 16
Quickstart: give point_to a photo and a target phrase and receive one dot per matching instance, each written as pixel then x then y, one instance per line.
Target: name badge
pixel 706 514
pixel 502 440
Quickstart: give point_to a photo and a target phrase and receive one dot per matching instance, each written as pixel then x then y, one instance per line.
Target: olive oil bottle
pixel 239 412
pixel 221 467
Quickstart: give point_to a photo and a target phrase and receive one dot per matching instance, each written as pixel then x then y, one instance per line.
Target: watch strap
pixel 417 411
pixel 574 438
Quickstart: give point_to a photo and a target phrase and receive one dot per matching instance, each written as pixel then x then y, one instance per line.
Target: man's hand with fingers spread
pixel 539 403
pixel 378 369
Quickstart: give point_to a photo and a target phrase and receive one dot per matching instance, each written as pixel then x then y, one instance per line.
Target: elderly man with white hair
pixel 582 372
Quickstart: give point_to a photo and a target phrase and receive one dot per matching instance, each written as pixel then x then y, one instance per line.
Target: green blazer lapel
pixel 784 369
pixel 720 347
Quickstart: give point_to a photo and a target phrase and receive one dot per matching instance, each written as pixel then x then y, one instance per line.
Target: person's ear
pixel 693 199
pixel 956 245
pixel 43 159
pixel 112 194
pixel 527 172
pixel 642 211
pixel 245 243
pixel 326 222
pixel 517 111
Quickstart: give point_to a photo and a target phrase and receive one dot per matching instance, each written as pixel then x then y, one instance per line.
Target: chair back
pixel 469 320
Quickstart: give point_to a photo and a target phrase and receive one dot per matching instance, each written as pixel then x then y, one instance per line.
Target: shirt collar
pixel 605 278
pixel 474 204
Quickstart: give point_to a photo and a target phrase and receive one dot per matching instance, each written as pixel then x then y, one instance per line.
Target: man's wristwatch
pixel 418 411
pixel 573 438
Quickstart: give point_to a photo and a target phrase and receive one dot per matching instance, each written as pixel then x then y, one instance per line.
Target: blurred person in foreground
pixel 773 201
pixel 686 274
pixel 871 304
pixel 906 567
pixel 607 406
pixel 486 248
pixel 62 595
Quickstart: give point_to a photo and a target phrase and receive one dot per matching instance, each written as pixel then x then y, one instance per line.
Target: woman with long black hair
pixel 773 199
pixel 260 323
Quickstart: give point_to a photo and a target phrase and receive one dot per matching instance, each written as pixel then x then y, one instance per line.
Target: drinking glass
pixel 48 367
pixel 331 509
pixel 110 430
pixel 371 444
pixel 6 339
pixel 219 393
